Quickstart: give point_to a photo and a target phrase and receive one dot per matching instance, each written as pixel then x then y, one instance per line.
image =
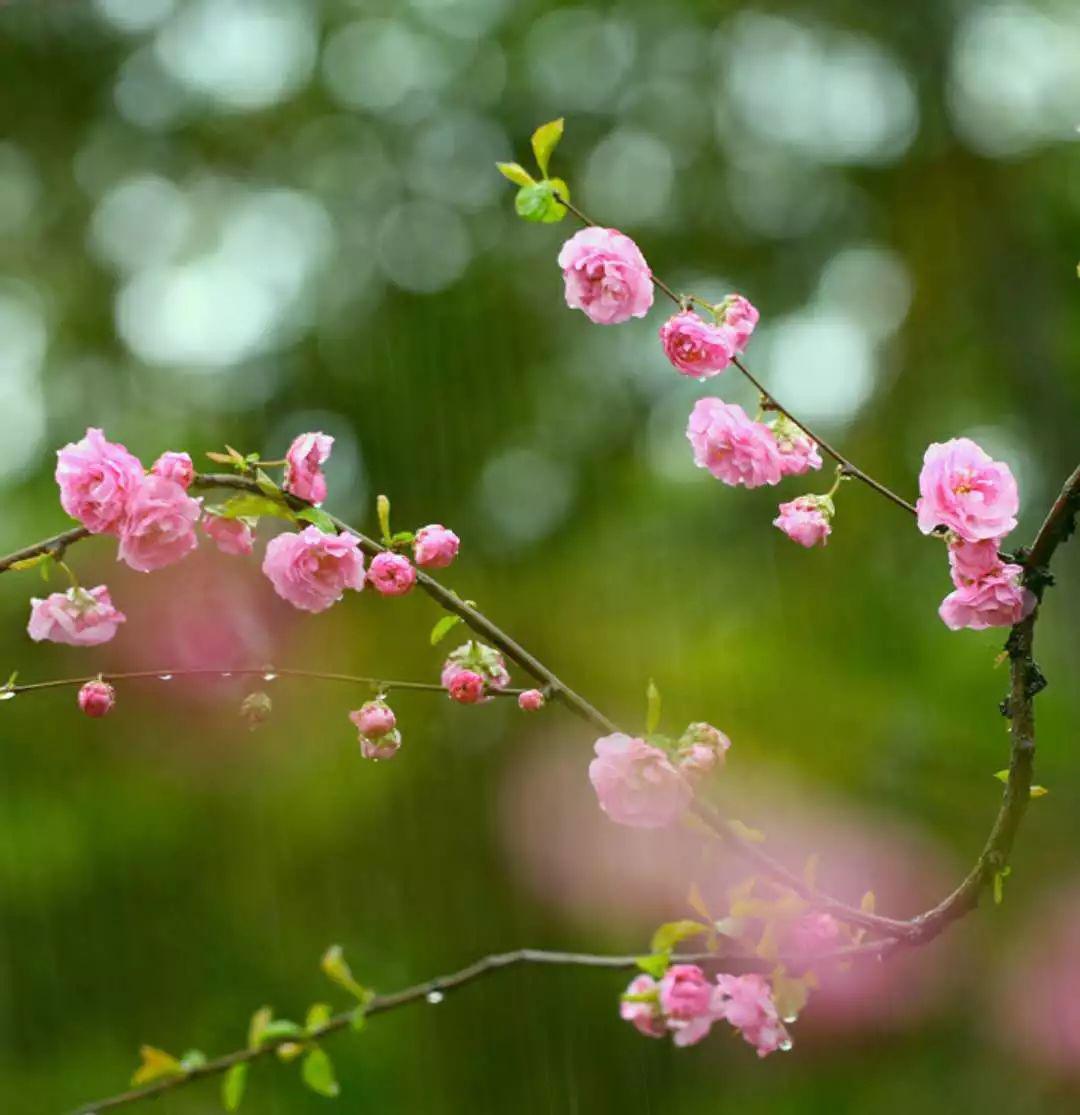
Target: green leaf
pixel 250 506
pixel 318 1073
pixel 655 965
pixel 334 966
pixel 259 1021
pixel 745 832
pixel 192 1059
pixel 317 1016
pixel 516 173
pixel 156 1065
pixel 266 484
pixel 279 1029
pixel 32 562
pixel 652 708
pixel 232 1087
pixel 358 1019
pixel 544 141
pixel 668 935
pixel 537 203
pixel 1002 775
pixel 382 510
pixel 443 628
pixel 402 538
pixel 318 518
pixel 999 884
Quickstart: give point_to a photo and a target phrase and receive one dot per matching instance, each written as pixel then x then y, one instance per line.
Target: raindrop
pixel 269 676
pixel 434 997
pixel 226 673
pixel 165 677
pixel 7 694
pixel 789 1018
pixel 785 1045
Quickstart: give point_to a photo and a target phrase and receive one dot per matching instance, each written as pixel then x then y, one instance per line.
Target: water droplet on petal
pixel 434 997
pixel 789 1018
pixel 785 1045
pixel 165 677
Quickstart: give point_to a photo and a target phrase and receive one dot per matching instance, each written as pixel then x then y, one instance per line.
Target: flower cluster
pixel 377 727
pixel 974 500
pixel 685 1004
pixel 648 784
pixel 472 670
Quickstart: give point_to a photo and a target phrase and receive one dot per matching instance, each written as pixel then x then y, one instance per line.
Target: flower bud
pixel 255 708
pixel 96 698
pixel 466 687
pixel 385 747
pixel 532 700
pixel 177 467
pixel 435 546
pixel 391 574
pixel 374 719
pixel 806 520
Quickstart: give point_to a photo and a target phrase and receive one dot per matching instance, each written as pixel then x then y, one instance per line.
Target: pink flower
pixel 730 446
pixel 606 276
pixel 686 1000
pixel 963 489
pixel 96 698
pixel 739 316
pixel 374 719
pixel 798 451
pixel 231 536
pixel 972 561
pixel 177 467
pixel 532 700
pixel 160 525
pixel 701 748
pixel 464 686
pixel 696 347
pixel 747 1003
pixel 806 520
pixel 384 747
pixel 391 574
pixel 997 600
pixel 636 783
pixel 814 934
pixel 312 570
pixel 76 617
pixel 435 546
pixel 303 466
pixel 644 1014
pixel 97 479
pixel 474 658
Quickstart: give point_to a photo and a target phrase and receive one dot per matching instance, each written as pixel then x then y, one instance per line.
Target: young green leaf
pixel 192 1059
pixel 156 1065
pixel 247 505
pixel 336 968
pixel 32 562
pixel 655 965
pixel 318 1073
pixel 1002 775
pixel 232 1087
pixel 544 141
pixel 278 1029
pixel 443 628
pixel 668 935
pixel 317 1016
pixel 516 173
pixel 259 1021
pixel 317 517
pixel 382 510
pixel 537 203
pixel 358 1018
pixel 1039 791
pixel 652 708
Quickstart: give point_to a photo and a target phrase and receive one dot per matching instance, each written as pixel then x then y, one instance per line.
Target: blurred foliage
pixel 234 221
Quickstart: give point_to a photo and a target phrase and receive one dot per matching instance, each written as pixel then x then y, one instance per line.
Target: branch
pixel 55 546
pixel 846 466
pixel 487 965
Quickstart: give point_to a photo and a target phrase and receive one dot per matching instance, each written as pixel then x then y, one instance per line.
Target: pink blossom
pixel 382 747
pixel 998 600
pixel 731 447
pixel 962 489
pixel 177 467
pixel 435 546
pixel 476 658
pixel 697 348
pixel 798 451
pixel 97 479
pixel 686 1001
pixel 391 574
pixel 701 748
pixel 606 276
pixel 806 520
pixel 532 700
pixel 96 698
pixel 231 536
pixel 814 933
pixel 643 1014
pixel 739 316
pixel 464 686
pixel 303 466
pixel 160 525
pixel 312 570
pixel 636 783
pixel 747 1003
pixel 972 561
pixel 374 719
pixel 77 617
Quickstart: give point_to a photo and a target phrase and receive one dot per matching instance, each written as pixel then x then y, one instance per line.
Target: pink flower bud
pixel 798 451
pixel 532 700
pixel 806 520
pixel 739 316
pixel 391 574
pixel 176 467
pixel 231 536
pixel 747 1003
pixel 697 348
pixel 435 546
pixel 642 1009
pixel 374 719
pixel 606 276
pixel 466 687
pixel 385 747
pixel 303 466
pixel 96 698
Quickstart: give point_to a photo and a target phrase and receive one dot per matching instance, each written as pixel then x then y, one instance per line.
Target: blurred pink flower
pixel 231 536
pixel 77 617
pixel 747 1003
pixel 644 1015
pixel 635 782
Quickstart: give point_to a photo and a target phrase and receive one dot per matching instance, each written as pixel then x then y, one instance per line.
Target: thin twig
pixel 849 469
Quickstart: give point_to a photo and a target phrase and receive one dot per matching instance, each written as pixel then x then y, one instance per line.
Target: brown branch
pixel 56 545
pixel 770 400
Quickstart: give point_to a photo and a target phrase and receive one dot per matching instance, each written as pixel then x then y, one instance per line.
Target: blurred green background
pixel 236 220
